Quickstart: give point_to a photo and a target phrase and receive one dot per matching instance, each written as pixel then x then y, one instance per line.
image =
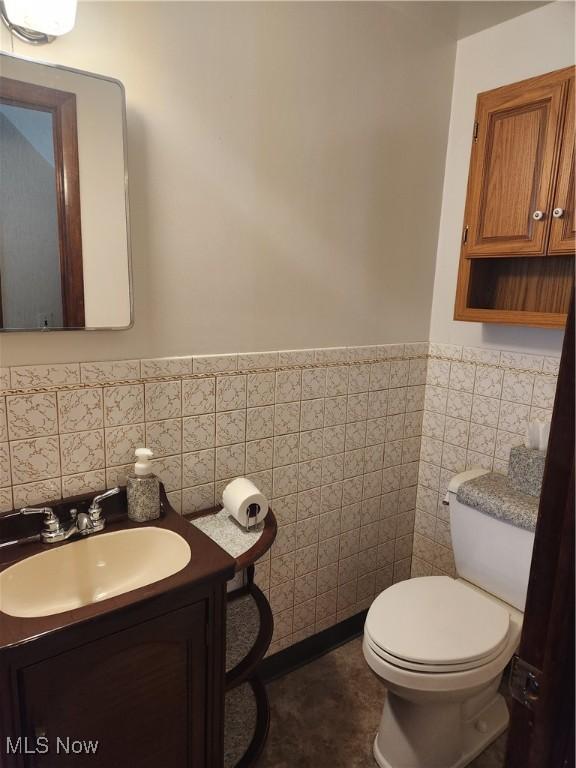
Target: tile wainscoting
pixel 331 436
pixel 477 406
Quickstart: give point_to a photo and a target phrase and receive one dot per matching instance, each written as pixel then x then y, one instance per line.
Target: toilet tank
pixel 490 553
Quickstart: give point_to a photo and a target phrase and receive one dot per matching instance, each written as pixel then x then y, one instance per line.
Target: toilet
pixel 440 644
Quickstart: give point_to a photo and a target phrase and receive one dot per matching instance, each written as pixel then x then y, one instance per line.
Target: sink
pixel 90 570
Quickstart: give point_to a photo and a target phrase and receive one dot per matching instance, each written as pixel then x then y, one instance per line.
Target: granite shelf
pixel 245 546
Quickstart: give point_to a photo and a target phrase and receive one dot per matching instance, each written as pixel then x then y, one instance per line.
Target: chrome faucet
pixel 83 523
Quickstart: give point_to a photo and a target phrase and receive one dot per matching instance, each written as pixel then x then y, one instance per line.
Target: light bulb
pixel 51 17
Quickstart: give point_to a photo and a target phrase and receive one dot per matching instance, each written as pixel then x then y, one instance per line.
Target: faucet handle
pixel 51 522
pixel 95 510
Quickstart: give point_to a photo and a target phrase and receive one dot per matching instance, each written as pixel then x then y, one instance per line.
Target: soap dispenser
pixel 143 489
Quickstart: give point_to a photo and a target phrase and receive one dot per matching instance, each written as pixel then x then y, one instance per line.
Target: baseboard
pixel 311 648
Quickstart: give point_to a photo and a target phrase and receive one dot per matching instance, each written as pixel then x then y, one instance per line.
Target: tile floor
pixel 325 715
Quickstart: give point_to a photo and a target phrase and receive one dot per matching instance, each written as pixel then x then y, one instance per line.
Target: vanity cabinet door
pixel 140 693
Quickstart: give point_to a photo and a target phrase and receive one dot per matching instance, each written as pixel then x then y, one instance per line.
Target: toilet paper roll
pixel 242 499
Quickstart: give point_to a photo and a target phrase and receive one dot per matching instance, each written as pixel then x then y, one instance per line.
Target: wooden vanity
pixel 142 673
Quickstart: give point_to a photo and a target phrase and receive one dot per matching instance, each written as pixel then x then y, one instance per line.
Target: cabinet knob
pixel 537 215
pixel 558 213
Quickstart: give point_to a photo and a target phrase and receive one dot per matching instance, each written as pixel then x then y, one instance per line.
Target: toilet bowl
pixel 440 645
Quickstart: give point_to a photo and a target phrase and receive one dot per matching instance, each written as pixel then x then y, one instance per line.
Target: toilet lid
pixel 436 620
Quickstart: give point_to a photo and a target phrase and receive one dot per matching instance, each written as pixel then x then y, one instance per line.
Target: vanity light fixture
pixel 38 21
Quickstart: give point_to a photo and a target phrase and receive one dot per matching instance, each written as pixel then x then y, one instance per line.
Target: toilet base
pixel 494 720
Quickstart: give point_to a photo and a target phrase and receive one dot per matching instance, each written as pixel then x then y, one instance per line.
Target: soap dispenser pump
pixel 143 489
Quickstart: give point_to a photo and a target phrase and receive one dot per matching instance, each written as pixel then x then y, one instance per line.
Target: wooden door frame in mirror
pixel 62 105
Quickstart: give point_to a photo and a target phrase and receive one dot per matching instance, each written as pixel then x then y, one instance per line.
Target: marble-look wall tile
pixel 198 467
pixel 296 357
pixel 230 427
pixel 481 355
pixel 31 415
pixel 35 459
pixel 313 383
pixel 165 366
pixel 4 379
pixel 261 388
pixel 251 361
pixel 551 365
pixel 230 393
pixel 169 470
pixel 288 386
pixel 163 400
pixel 82 451
pixel 198 432
pixel 230 461
pixel 448 351
pixel 107 372
pixel 84 482
pixel 544 391
pixel 117 475
pixel 520 360
pixel 29 376
pixel 517 387
pixel 259 422
pixel 198 396
pixel 6 499
pixel 214 363
pixel 80 409
pixel 121 443
pixel 3 420
pixel 123 405
pixel 164 437
pixel 45 491
pixel 259 455
pixel 5 474
pixel 198 498
pixel 331 355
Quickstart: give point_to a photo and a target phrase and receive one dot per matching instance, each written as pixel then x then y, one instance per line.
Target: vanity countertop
pixel 209 562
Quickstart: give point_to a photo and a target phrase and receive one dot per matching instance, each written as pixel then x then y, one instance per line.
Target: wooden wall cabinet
pixel 517 257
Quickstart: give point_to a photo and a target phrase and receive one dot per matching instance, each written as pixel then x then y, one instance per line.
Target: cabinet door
pixel 563 228
pixel 512 167
pixel 139 693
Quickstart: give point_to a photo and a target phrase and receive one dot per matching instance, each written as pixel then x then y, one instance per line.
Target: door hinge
pixel 475 134
pixel 525 682
pixel 465 235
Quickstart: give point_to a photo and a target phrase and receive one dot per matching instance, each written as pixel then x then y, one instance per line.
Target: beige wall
pixel 529 45
pixel 286 165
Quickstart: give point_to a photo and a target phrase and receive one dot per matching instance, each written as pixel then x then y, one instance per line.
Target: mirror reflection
pixel 64 240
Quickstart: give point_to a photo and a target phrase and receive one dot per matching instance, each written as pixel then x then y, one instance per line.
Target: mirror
pixel 64 232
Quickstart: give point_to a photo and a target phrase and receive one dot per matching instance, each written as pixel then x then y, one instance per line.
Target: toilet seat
pixel 436 624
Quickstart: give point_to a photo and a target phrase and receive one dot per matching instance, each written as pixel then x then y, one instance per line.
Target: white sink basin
pixel 92 569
